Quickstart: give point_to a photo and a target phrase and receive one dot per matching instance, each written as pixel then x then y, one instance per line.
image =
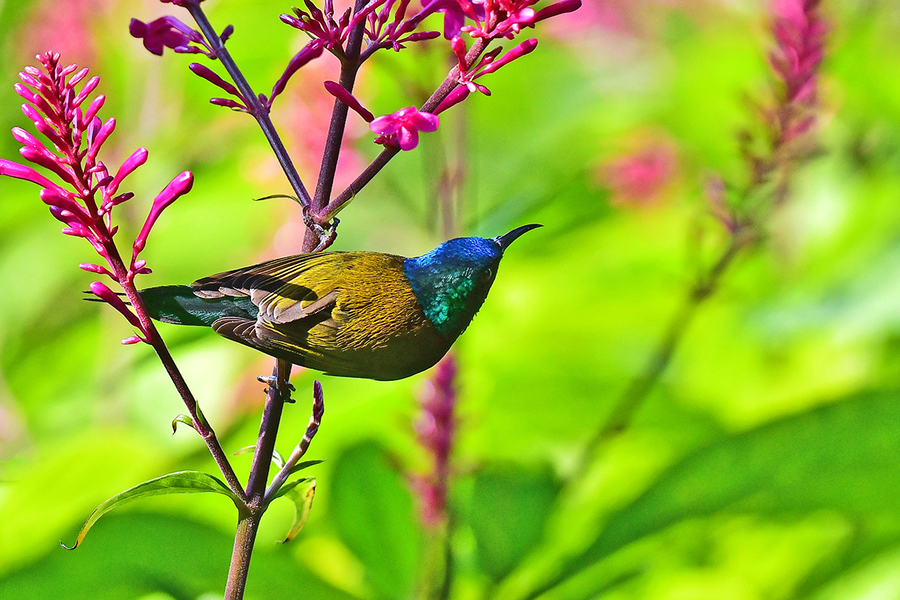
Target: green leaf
pixel 374 514
pixel 144 555
pixel 287 487
pixel 185 420
pixel 304 465
pixel 839 458
pixel 302 505
pixel 182 482
pixel 509 508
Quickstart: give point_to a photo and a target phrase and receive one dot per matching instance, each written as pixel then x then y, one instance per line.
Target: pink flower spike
pixel 132 340
pixel 11 169
pixel 458 94
pixel 91 267
pixel 107 295
pixel 137 158
pixel 341 93
pixel 402 127
pixel 179 186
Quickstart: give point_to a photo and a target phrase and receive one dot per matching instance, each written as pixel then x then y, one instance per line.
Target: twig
pixel 641 386
pixel 253 103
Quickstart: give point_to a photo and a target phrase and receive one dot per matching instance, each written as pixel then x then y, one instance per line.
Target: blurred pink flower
pixel 435 431
pixel 640 177
pixel 66 27
pixel 800 35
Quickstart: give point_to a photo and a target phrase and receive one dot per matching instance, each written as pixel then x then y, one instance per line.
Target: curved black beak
pixel 508 238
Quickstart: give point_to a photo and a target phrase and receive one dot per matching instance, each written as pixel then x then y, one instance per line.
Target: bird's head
pixel 452 281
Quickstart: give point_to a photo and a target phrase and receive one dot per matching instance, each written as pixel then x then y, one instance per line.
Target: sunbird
pixel 348 314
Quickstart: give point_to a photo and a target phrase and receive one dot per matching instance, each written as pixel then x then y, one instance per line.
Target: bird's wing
pixel 285 289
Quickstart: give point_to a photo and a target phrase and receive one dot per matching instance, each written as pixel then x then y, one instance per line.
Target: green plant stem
pixel 152 336
pixel 268 431
pixel 244 538
pixel 637 392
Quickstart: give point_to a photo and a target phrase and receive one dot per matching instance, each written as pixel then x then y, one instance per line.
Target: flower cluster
pixel 55 102
pixel 800 33
pixel 492 19
pixel 321 24
pixel 399 129
pixel 385 25
pixel 788 118
pixel 435 432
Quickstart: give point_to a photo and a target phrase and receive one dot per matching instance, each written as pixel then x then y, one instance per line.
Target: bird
pixel 348 314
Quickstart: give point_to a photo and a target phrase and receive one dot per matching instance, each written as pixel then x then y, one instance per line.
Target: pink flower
pixel 169 32
pixel 435 432
pixel 641 176
pixel 402 127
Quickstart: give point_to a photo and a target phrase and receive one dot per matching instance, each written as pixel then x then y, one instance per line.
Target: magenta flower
pixel 402 127
pixel 494 19
pixel 800 34
pixel 640 178
pixel 435 431
pixel 169 32
pixel 55 102
pixel 388 26
pixel 321 25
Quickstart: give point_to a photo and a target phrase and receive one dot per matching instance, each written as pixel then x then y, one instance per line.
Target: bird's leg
pixel 270 381
pixel 330 235
pixel 326 235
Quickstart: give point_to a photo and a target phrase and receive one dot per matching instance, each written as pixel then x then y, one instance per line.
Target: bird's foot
pixel 326 234
pixel 272 382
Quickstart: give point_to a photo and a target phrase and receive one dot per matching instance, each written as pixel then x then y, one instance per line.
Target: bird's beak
pixel 508 238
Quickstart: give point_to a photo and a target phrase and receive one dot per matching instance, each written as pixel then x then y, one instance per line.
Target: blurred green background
pixel 766 463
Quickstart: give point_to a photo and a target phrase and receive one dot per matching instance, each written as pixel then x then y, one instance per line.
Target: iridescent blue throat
pixel 452 281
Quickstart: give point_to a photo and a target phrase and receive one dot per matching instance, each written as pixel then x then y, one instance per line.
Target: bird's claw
pixel 326 234
pixel 272 382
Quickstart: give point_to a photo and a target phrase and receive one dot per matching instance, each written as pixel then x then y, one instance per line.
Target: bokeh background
pixel 764 465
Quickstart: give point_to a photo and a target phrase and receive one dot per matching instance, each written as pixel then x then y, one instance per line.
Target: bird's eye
pixel 487 274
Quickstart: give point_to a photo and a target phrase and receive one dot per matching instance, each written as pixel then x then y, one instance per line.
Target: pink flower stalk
pixel 800 33
pixel 55 102
pixel 402 127
pixel 435 431
pixel 169 32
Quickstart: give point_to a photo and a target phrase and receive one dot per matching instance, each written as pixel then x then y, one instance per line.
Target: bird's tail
pixel 177 304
